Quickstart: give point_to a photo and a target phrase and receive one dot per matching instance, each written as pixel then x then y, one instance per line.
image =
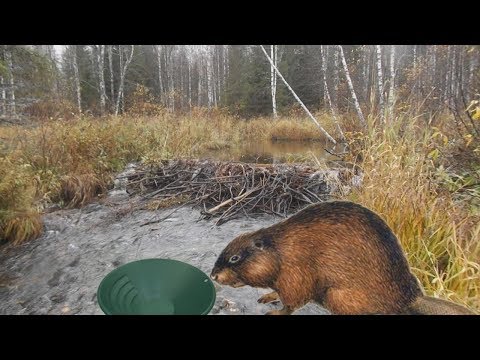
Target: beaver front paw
pixel 268 298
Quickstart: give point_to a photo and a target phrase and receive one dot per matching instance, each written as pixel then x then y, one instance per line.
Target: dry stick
pixel 298 99
pixel 212 210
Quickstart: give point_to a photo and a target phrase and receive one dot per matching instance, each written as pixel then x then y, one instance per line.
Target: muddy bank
pixel 59 272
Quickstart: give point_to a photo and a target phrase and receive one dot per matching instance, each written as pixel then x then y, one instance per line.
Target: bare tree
pixel 327 135
pixel 327 94
pixel 112 85
pixel 350 86
pixel 336 78
pixel 101 77
pixel 160 80
pixel 391 93
pixel 3 99
pixel 380 82
pixel 8 59
pixel 123 71
pixel 76 77
pixel 273 79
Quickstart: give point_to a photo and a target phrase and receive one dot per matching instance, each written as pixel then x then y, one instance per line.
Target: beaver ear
pixel 264 242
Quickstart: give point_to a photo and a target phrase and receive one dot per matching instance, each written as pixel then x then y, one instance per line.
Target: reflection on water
pixel 267 152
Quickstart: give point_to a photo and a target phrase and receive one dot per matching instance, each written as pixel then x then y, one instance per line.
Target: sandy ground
pixel 59 272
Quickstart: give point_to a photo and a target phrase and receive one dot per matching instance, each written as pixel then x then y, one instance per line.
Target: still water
pixel 279 151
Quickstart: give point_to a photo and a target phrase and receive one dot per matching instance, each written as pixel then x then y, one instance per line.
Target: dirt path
pixel 59 273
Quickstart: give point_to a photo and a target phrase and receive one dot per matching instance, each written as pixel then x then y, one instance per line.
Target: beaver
pixel 338 254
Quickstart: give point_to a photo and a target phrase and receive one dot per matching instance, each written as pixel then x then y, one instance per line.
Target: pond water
pixel 276 151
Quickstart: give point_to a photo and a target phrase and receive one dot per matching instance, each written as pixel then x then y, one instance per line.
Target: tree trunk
pixel 123 71
pixel 101 76
pixel 471 75
pixel 112 85
pixel 327 135
pixel 350 86
pixel 391 94
pixel 273 79
pixel 160 80
pixel 170 73
pixel 446 88
pixel 380 83
pixel 200 84
pixel 327 95
pixel 414 56
pixel 189 85
pixel 3 99
pixel 336 78
pixel 77 78
pixel 8 59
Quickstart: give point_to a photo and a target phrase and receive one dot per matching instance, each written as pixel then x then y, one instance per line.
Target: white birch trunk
pixel 112 85
pixel 327 135
pixel 273 78
pixel 189 85
pixel 434 65
pixel 207 75
pixel 225 65
pixel 350 86
pixel 391 94
pixel 77 78
pixel 447 77
pixel 8 59
pixel 170 80
pixel 327 95
pixel 336 79
pixel 160 80
pixel 380 82
pixel 414 56
pixel 101 76
pixel 123 71
pixel 3 99
pixel 471 75
pixel 200 84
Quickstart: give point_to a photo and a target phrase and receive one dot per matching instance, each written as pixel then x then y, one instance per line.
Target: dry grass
pixel 440 236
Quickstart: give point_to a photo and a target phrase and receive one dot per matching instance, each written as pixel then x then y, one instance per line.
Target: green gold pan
pixel 156 287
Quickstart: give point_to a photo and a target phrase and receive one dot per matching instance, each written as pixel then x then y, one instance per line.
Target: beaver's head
pixel 250 259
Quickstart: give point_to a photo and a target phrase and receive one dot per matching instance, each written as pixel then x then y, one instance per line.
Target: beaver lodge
pixel 225 190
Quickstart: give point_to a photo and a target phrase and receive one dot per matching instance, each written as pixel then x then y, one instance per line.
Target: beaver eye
pixel 234 259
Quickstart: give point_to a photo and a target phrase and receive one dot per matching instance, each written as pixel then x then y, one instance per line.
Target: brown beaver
pixel 338 254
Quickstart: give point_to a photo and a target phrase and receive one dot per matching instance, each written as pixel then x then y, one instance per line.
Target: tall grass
pixel 439 235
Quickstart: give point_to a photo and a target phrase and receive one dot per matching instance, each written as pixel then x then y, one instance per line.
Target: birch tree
pixel 380 82
pixel 3 99
pixel 273 79
pixel 112 85
pixel 327 135
pixel 471 76
pixel 160 80
pixel 327 94
pixel 391 93
pixel 336 78
pixel 8 60
pixel 350 86
pixel 76 77
pixel 101 76
pixel 123 71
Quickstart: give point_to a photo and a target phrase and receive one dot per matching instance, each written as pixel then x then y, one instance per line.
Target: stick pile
pixel 228 189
